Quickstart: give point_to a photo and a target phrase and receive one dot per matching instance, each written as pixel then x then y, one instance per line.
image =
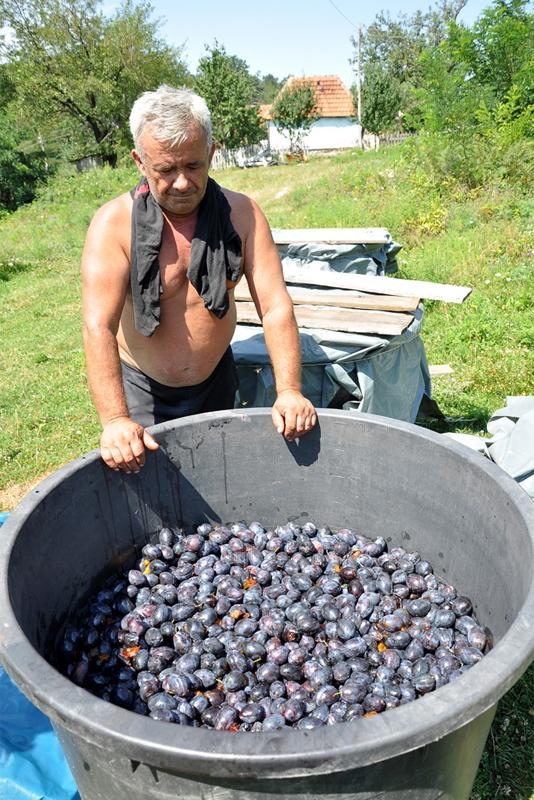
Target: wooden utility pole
pixel 359 84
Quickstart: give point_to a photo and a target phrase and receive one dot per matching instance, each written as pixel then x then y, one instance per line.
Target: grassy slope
pixel 481 240
pixel 45 412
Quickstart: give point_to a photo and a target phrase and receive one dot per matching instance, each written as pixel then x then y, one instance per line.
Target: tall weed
pixel 493 153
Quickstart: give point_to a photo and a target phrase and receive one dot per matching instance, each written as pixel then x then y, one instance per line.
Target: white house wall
pixel 325 134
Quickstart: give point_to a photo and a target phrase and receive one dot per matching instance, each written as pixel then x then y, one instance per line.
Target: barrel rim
pixel 280 753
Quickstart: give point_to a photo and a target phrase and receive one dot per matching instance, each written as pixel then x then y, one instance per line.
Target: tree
pixel 294 111
pixel 22 166
pixel 268 87
pixel 472 73
pixel 77 72
pixel 7 90
pixel 381 99
pixel 228 88
pixel 502 47
pixel 475 99
pixel 21 171
pixel 449 95
pixel 398 43
pixel 394 48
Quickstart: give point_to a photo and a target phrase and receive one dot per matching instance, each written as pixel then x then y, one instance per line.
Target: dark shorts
pixel 150 402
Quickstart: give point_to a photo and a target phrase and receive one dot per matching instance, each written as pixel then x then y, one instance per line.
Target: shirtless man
pixel 186 360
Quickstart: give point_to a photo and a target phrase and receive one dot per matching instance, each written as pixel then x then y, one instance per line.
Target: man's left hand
pixel 293 414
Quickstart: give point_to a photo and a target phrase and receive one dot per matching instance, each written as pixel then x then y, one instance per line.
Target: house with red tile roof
pixel 336 126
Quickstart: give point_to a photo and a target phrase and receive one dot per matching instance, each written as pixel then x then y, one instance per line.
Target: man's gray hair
pixel 169 114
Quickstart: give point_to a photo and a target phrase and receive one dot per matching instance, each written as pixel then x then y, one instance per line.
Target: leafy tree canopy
pixel 397 44
pixel 267 87
pixel 392 50
pixel 502 51
pixel 7 90
pixel 472 73
pixel 225 83
pixel 445 71
pixel 21 170
pixel 294 111
pixel 381 100
pixel 77 72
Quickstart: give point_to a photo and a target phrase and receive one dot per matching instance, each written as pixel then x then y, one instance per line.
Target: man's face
pixel 177 176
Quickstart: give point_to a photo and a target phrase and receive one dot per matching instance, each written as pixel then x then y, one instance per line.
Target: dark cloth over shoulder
pixel 215 254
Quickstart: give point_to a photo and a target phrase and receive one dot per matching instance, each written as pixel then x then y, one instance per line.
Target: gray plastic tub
pixel 374 474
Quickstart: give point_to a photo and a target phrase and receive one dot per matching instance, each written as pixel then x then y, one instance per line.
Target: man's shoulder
pixel 238 201
pixel 115 212
pixel 250 223
pixel 245 210
pixel 110 228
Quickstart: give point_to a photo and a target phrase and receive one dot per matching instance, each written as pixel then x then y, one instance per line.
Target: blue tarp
pixel 32 764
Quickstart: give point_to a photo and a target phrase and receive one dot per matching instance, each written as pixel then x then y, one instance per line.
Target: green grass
pixel 507 765
pixel 480 239
pixel 46 417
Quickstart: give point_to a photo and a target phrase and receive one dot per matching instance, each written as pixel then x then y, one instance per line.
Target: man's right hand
pixel 123 443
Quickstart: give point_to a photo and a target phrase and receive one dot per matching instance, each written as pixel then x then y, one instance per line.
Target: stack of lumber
pixel 349 302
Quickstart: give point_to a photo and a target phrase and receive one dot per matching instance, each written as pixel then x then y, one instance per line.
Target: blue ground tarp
pixel 32 764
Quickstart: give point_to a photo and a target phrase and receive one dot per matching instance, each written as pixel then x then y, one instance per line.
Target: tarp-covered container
pixel 363 259
pixel 379 374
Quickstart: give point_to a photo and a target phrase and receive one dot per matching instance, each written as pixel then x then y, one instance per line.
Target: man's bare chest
pixel 174 259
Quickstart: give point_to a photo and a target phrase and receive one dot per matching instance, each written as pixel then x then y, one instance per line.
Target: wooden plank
pixel 341 299
pixel 377 284
pixel 331 236
pixel 337 319
pixel 437 370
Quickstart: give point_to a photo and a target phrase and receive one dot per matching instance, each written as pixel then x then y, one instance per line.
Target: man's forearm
pixel 104 374
pixel 283 344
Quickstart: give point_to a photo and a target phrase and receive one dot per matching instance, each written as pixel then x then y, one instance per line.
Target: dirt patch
pixel 12 495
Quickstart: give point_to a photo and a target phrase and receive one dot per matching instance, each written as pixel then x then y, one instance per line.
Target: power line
pixel 342 14
pixel 358 58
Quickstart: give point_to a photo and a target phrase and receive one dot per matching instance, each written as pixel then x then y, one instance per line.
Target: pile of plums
pixel 242 628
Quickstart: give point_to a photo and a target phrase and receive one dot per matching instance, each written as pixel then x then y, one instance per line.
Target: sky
pixel 282 37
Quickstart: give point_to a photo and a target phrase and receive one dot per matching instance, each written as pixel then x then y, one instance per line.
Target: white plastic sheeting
pixel 511 444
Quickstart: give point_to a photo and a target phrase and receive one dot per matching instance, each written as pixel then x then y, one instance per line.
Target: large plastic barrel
pixel 373 474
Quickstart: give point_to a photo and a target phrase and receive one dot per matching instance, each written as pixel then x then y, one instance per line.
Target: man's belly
pixel 183 351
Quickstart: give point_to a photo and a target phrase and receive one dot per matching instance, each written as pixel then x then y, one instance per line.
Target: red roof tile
pixel 332 98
